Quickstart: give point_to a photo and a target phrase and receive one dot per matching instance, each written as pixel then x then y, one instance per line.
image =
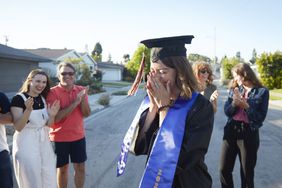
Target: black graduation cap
pixel 168 46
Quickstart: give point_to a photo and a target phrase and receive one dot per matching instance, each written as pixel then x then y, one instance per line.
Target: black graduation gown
pixel 191 170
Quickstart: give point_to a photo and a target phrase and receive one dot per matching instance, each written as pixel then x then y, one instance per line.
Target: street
pixel 105 131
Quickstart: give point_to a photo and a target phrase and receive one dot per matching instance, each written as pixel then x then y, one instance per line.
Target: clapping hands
pixel 214 96
pixel 54 108
pixel 238 100
pixel 81 95
pixel 29 104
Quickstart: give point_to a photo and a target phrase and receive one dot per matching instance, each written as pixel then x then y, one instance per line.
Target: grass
pixel 116 84
pixel 276 91
pixel 276 94
pixel 271 97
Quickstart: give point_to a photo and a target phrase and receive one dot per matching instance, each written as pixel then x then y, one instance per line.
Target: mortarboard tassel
pixel 138 78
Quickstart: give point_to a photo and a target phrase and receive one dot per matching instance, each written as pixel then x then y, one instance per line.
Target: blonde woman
pixel 204 75
pixel 33 156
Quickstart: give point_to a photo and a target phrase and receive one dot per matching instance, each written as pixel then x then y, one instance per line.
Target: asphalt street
pixel 105 131
pixel 106 127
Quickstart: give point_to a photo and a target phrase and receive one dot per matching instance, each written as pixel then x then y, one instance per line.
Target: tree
pixel 227 64
pixel 97 52
pixel 134 63
pixel 254 57
pixel 198 57
pixel 126 58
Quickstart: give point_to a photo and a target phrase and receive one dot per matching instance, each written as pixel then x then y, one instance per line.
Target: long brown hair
pixel 185 79
pixel 26 85
pixel 246 72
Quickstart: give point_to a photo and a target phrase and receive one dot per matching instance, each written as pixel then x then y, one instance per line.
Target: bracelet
pixel 171 102
pixel 163 107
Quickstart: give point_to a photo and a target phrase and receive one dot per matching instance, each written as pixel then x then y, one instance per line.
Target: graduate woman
pixel 174 123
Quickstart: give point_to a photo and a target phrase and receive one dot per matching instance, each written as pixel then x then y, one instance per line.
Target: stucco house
pixel 110 71
pixel 59 55
pixel 15 65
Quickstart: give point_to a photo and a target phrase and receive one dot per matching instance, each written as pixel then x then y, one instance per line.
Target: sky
pixel 220 27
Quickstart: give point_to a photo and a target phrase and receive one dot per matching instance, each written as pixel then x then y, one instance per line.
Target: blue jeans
pixel 6 173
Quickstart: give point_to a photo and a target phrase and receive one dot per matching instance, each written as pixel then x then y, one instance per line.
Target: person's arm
pixel 213 100
pixel 52 112
pixel 229 107
pixel 257 107
pixel 5 115
pixel 199 126
pixel 20 116
pixel 66 111
pixel 6 118
pixel 84 106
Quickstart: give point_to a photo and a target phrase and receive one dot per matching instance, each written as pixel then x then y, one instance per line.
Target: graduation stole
pixel 129 136
pixel 161 165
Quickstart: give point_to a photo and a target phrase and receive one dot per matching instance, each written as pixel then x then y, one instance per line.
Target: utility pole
pixel 214 44
pixel 6 40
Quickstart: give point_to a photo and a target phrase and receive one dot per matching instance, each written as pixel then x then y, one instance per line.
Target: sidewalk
pixel 94 105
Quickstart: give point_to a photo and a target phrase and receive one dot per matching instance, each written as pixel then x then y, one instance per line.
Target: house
pixel 59 55
pixel 110 71
pixel 88 60
pixel 15 65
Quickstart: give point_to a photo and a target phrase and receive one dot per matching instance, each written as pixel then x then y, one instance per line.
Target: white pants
pixel 34 159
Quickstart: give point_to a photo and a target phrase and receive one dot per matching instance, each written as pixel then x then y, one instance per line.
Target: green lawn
pixel 116 84
pixel 276 91
pixel 276 94
pixel 271 97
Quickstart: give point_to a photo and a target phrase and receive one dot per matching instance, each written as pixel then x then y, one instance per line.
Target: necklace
pixel 37 100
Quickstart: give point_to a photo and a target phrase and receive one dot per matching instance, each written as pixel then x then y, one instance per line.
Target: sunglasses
pixel 203 71
pixel 67 73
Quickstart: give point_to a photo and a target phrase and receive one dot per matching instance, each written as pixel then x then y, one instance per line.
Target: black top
pixel 18 101
pixel 4 103
pixel 191 170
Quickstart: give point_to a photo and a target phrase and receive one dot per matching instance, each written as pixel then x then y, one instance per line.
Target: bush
pixel 127 75
pixel 104 100
pixel 270 69
pixel 98 76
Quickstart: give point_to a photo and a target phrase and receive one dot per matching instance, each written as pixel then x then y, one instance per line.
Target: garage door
pixel 13 73
pixel 111 75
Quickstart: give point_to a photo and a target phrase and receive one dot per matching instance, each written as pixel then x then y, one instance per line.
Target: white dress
pixel 33 156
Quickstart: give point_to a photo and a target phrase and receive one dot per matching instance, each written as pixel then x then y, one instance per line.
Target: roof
pixel 13 53
pixel 48 53
pixel 109 65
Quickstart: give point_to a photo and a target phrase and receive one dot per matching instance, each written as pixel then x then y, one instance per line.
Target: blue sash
pixel 129 136
pixel 163 159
